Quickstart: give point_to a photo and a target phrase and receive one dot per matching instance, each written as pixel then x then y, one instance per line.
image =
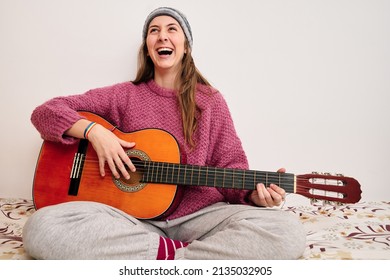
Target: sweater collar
pixel 153 86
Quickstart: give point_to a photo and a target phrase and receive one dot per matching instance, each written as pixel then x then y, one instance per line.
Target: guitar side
pixel 55 162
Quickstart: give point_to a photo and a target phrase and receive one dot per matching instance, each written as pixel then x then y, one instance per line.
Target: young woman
pixel 168 93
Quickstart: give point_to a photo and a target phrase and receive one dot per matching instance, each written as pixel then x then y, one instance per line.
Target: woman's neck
pixel 165 79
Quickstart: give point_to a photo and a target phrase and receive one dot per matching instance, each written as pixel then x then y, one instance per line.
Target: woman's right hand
pixel 110 148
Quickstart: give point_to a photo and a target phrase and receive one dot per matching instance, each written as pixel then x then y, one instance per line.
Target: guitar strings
pixel 140 166
pixel 226 175
pixel 214 170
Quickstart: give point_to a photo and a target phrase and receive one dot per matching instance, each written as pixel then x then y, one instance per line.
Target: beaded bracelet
pixel 88 129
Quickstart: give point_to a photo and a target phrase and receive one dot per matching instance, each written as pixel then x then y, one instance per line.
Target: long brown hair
pixel 186 83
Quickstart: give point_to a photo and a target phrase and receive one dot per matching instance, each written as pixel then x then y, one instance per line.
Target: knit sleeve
pixel 226 149
pixel 57 115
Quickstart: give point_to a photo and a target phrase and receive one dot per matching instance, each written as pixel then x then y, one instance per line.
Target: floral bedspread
pixel 353 231
pixel 13 215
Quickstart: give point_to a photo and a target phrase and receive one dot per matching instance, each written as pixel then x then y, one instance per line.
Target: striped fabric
pixel 168 247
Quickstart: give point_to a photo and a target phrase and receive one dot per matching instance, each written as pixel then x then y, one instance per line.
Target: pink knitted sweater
pixel 133 107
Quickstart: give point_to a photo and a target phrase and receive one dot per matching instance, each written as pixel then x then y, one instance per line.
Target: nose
pixel 163 36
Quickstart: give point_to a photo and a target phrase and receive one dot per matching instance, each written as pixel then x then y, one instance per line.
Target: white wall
pixel 307 81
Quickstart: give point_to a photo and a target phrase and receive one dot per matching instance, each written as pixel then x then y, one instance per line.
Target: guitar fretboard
pixel 194 175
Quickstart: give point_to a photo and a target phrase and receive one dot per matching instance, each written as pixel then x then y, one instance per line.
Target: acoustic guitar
pixel 71 173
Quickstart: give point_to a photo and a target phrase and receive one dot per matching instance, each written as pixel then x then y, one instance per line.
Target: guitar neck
pixel 194 175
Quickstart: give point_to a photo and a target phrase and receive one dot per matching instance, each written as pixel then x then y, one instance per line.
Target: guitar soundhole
pixel 134 184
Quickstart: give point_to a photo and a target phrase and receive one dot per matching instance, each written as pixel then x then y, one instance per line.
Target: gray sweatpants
pixel 89 230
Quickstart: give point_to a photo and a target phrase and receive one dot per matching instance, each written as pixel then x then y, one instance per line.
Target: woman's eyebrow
pixel 168 25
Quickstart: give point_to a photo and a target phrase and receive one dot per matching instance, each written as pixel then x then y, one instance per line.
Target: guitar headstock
pixel 328 187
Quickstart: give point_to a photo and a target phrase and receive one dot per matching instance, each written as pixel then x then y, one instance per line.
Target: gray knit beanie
pixel 166 11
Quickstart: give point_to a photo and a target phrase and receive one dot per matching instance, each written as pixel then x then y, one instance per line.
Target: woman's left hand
pixel 268 196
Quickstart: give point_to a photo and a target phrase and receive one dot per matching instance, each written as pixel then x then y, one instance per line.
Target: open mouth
pixel 164 51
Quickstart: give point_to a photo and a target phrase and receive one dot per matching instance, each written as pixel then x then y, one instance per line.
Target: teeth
pixel 166 51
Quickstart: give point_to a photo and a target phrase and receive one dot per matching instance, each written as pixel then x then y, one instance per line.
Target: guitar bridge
pixel 77 168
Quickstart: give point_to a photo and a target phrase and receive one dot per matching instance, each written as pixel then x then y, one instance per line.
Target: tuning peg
pixel 335 203
pixel 339 174
pixel 326 202
pixel 313 201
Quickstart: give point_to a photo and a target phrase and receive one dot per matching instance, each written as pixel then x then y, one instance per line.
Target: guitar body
pixel 52 176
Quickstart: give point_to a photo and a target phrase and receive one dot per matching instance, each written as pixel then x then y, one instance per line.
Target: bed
pixel 350 231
